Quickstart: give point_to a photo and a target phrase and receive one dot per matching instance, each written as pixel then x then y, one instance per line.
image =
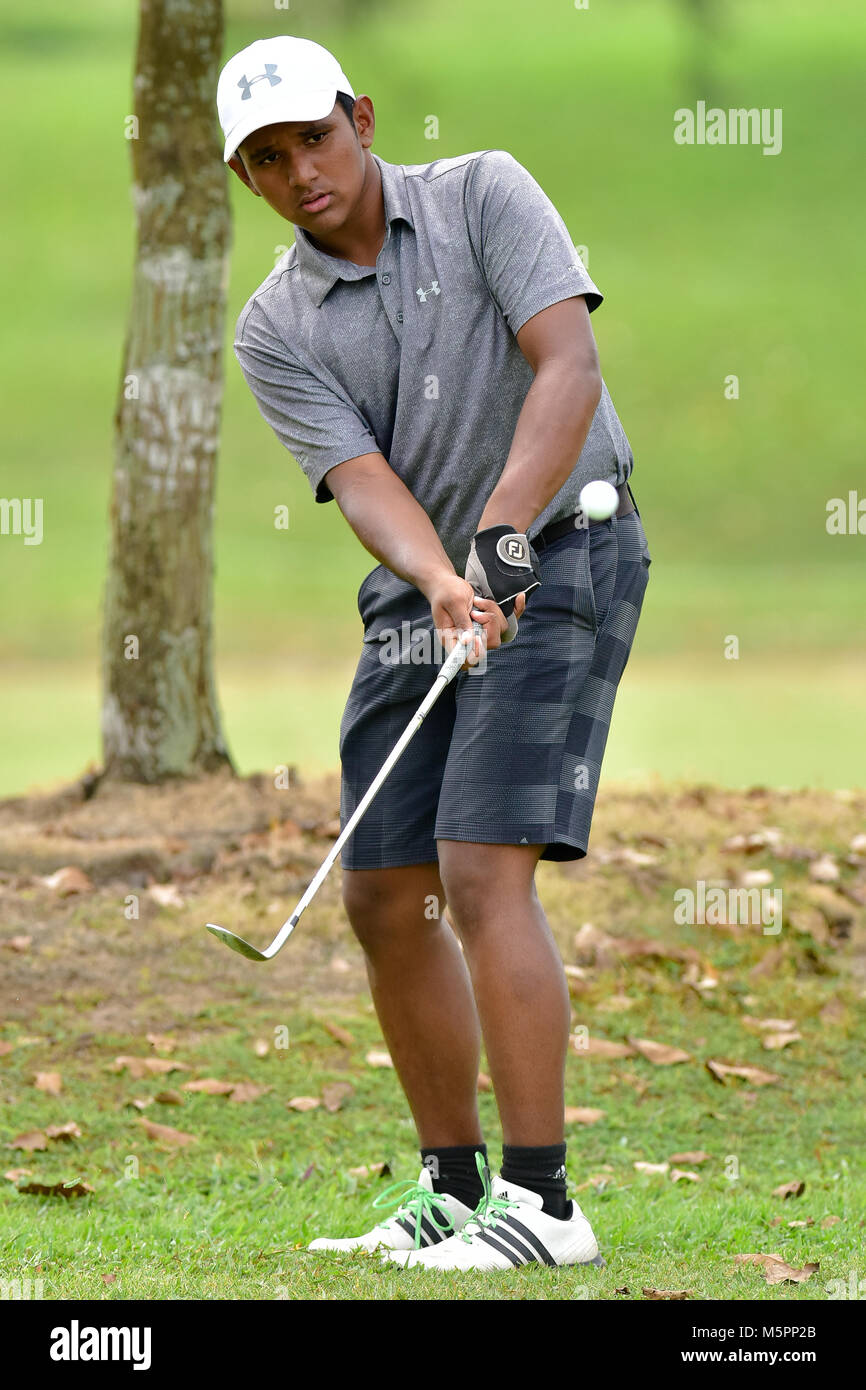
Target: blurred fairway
pixel 702 254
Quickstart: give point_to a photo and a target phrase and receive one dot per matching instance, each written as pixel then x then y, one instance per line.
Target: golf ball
pixel 598 500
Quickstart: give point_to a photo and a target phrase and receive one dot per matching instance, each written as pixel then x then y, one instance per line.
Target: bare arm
pixel 394 527
pixel 387 519
pixel 559 345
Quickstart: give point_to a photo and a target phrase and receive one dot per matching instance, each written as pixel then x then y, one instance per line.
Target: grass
pixel 230 1215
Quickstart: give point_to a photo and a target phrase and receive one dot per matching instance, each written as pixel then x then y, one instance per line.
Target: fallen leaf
pixel 660 1054
pixel 656 1294
pixel 162 1042
pixel 50 1082
pixel 824 870
pixel 30 1142
pixel 679 1173
pixel 769 963
pixel 57 1189
pixel 139 1067
pixel 141 1102
pixel 575 972
pixel 776 1271
pixel 696 1156
pixel 247 1090
pixel 624 1290
pixel 829 1221
pixel 719 1070
pixel 645 947
pixel 600 1047
pixel 166 1135
pixel 340 1035
pixel 789 1189
pixel 833 1011
pixel 769 837
pixel 836 909
pixel 109 1278
pixel 18 943
pixel 756 878
pixel 616 1004
pixel 810 1221
pixel 775 1041
pixel 771 1025
pixel 582 1115
pixel 334 1093
pixel 642 1167
pixel 15 1175
pixel 371 1170
pixel 169 1098
pixel 68 1131
pixel 303 1103
pixel 210 1086
pixel 166 894
pixel 67 881
pixel 378 1059
pixel 261 1047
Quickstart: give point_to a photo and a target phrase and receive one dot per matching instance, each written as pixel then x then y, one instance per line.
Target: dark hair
pixel 348 105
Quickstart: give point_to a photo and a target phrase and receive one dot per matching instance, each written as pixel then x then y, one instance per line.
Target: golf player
pixel 424 351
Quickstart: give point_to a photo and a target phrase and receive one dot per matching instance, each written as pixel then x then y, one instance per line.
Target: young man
pixel 424 351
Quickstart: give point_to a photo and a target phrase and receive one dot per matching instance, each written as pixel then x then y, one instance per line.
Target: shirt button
pixel 386 278
pixel 399 318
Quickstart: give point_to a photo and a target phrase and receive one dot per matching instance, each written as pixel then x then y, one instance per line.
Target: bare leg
pixel 422 994
pixel 520 987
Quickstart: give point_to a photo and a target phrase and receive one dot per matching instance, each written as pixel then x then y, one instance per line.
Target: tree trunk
pixel 159 712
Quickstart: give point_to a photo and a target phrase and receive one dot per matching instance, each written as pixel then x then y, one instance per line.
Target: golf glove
pixel 501 565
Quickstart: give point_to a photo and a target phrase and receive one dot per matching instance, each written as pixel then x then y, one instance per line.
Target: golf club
pixel 449 670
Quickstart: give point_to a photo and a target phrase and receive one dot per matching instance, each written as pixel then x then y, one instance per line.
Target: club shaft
pixel 449 670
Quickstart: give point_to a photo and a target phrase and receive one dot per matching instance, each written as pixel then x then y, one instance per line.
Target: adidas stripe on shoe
pixel 507 1230
pixel 423 1219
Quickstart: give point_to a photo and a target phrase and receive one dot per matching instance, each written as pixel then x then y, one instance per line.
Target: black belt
pixel 552 532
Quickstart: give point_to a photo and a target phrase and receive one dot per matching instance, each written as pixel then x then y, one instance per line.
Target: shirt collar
pixel 321 272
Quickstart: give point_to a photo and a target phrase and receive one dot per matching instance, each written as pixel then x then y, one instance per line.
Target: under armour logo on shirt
pixel 422 293
pixel 246 83
pixel 431 1163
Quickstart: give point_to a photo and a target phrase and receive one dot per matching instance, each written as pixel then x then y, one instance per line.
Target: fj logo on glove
pixel 514 550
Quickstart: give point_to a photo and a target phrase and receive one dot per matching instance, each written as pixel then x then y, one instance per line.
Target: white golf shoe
pixel 423 1219
pixel 509 1229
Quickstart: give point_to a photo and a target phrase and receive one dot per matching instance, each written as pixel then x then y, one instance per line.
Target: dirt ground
pixel 105 889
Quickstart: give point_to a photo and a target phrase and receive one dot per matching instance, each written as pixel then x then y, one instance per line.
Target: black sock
pixel 455 1171
pixel 542 1170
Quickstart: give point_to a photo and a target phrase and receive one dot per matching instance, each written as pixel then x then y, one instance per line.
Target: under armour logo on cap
pixel 514 550
pixel 245 83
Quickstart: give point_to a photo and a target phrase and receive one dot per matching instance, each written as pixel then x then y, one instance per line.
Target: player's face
pixel 289 162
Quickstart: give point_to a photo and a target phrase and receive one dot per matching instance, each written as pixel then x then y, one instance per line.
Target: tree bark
pixel 159 711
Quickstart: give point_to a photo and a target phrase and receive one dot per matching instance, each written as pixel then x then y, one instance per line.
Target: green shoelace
pixel 416 1201
pixel 489 1208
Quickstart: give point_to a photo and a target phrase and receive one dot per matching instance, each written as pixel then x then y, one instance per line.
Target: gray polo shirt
pixel 416 357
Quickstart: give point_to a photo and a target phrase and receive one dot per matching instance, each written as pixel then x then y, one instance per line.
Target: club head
pixel 236 943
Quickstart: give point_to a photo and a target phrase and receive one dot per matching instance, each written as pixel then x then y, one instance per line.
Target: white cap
pixel 279 79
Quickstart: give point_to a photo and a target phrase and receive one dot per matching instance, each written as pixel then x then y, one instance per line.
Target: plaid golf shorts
pixel 508 755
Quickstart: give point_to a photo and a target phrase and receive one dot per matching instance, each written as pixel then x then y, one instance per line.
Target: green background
pixel 713 261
